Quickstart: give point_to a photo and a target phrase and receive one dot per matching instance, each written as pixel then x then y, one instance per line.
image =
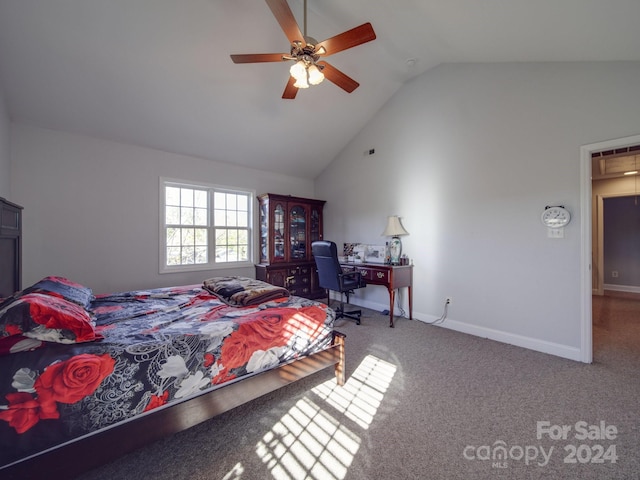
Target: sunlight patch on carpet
pixel 309 442
pixel 360 397
pixel 235 473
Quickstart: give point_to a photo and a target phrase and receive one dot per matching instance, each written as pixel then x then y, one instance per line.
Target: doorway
pixel 616 253
pixel 589 208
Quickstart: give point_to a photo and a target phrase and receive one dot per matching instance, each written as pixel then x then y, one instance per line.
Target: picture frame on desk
pixel 375 254
pixel 348 248
pixel 359 253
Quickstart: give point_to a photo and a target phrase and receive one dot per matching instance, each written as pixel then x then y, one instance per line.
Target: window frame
pixel 211 247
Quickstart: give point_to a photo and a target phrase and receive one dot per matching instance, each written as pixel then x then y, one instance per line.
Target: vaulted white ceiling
pixel 157 73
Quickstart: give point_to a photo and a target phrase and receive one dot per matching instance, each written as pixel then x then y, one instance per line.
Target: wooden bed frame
pixel 71 459
pixel 78 456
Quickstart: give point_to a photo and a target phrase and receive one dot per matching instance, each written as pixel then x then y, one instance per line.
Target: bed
pixel 85 379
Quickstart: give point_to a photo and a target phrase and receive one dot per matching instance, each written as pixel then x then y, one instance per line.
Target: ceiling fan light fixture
pixel 315 75
pixel 298 70
pixel 301 82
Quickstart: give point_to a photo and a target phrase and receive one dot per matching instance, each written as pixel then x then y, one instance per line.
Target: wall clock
pixel 556 217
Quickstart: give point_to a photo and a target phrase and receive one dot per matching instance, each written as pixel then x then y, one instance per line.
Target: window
pixel 204 226
pixel 231 226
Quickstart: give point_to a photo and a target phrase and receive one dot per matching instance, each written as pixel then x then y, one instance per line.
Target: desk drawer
pixel 374 275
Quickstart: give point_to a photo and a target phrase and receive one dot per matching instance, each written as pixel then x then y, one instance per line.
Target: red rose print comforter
pixel 145 349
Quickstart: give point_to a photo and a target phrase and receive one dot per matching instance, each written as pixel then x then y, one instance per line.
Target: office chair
pixel 332 277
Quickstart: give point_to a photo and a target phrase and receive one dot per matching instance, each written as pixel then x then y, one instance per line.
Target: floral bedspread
pixel 157 347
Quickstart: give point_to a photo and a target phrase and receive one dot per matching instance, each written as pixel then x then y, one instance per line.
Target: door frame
pixel 586 208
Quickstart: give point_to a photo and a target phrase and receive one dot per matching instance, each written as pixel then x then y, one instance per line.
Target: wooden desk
pixel 390 276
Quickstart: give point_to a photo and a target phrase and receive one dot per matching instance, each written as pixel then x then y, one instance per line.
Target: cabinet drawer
pixel 300 279
pixel 296 280
pixel 374 275
pixel 300 270
pixel 300 291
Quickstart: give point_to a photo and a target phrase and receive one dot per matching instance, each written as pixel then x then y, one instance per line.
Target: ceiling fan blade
pixel 351 38
pixel 287 21
pixel 334 75
pixel 257 57
pixel 290 91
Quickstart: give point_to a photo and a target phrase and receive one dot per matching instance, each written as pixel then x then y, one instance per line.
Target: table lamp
pixel 394 230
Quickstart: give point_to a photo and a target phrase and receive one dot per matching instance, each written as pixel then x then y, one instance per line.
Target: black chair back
pixel 329 270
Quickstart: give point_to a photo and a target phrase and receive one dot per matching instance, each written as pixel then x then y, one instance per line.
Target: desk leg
pixel 410 303
pixel 392 301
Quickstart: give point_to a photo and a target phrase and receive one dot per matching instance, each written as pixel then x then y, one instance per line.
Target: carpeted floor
pixel 423 402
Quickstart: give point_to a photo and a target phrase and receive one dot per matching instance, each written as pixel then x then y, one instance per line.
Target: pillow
pixel 48 318
pixel 62 288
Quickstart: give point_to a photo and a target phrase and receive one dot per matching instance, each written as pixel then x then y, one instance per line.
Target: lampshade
pixel 394 227
pixel 306 72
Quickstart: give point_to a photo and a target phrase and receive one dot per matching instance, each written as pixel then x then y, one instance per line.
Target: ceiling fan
pixel 306 52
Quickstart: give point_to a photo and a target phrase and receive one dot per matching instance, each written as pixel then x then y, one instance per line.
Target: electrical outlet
pixel 614 274
pixel 448 300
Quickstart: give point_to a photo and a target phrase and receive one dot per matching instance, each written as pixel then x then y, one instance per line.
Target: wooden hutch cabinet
pixel 288 226
pixel 10 248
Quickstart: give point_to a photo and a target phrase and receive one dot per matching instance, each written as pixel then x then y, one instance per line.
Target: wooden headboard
pixel 10 248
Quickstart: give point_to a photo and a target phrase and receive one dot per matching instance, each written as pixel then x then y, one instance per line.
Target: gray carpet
pixel 424 402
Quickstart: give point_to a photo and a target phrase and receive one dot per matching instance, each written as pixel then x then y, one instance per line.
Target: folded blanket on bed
pixel 242 291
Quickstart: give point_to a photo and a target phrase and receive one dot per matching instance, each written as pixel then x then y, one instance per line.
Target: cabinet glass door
pixel 264 232
pixel 315 225
pixel 278 232
pixel 298 232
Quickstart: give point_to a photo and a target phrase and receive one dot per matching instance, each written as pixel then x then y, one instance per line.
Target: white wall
pixel 5 154
pixel 469 155
pixel 91 207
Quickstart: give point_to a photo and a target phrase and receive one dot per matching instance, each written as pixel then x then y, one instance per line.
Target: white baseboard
pixel 543 346
pixel 622 288
pixel 559 350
